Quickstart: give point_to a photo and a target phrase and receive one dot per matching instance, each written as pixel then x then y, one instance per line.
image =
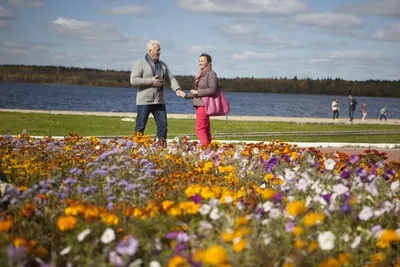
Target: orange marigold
pixel 66 223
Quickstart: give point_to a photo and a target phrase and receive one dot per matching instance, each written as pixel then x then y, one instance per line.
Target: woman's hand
pixel 194 92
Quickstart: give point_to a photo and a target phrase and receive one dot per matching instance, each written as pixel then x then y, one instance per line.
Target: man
pixel 383 113
pixel 150 76
pixel 352 107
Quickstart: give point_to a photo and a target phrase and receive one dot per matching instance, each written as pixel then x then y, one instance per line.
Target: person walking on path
pixel 335 108
pixel 352 107
pixel 205 84
pixel 384 113
pixel 364 111
pixel 150 76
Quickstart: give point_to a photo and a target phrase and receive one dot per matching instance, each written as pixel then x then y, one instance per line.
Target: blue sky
pixel 349 39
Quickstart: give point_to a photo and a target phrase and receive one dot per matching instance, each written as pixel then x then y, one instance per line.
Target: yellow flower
pixel 19 242
pixel 268 177
pixel 75 209
pixel 313 218
pixel 190 207
pixel 294 156
pixel 109 218
pixel 242 232
pixel 388 236
pixel 166 204
pixel 299 244
pixel 296 207
pixel 313 246
pixel 331 262
pixel 227 236
pixel 268 194
pixel 378 257
pixel 5 225
pixel 298 230
pixel 177 261
pixel 208 166
pixel 215 255
pixel 241 220
pixel 239 245
pixel 91 212
pixel 66 223
pixel 207 193
pixel 175 211
pixel 345 258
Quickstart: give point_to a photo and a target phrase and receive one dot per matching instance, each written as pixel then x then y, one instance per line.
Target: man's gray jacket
pixel 141 76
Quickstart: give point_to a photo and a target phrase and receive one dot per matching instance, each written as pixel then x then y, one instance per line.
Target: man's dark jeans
pixel 160 115
pixel 351 114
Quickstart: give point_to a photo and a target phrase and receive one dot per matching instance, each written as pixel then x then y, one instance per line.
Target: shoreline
pixel 343 120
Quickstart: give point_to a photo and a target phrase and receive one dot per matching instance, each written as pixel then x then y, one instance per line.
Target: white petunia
pixel 395 185
pixel 345 237
pixel 214 202
pixel 340 189
pixel 205 209
pixel 255 151
pixel 154 264
pixel 136 263
pixel 265 221
pixel 239 205
pixel 107 236
pixel 356 242
pixel 267 238
pixel 83 235
pixel 329 164
pixel 366 213
pixel 275 213
pixel 267 206
pixel 302 185
pixel 326 240
pixel 65 251
pixel 215 214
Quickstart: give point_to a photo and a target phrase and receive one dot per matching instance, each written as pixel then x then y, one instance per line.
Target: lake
pixel 90 98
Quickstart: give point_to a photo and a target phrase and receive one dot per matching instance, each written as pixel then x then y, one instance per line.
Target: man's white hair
pixel 150 44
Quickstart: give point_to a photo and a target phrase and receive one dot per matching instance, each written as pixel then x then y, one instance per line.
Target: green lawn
pixel 62 125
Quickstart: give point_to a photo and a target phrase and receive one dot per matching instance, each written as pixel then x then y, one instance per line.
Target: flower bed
pixel 87 202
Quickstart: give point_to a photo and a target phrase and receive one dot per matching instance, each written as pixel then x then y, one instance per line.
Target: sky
pixel 347 39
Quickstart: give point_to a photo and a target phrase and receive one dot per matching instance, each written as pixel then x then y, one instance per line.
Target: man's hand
pixel 155 81
pixel 180 93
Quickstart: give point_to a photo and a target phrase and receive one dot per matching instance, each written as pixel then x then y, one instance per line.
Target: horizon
pixel 288 78
pixel 352 40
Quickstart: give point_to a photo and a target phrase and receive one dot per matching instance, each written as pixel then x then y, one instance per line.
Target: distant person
pixel 352 107
pixel 384 113
pixel 205 84
pixel 364 111
pixel 335 108
pixel 150 76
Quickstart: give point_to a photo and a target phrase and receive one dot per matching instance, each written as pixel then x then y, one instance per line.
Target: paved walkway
pixel 233 118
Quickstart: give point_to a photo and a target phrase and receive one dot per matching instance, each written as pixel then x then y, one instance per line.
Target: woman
pixel 364 110
pixel 335 108
pixel 205 84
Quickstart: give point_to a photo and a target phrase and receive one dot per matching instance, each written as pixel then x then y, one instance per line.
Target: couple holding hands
pixel 150 75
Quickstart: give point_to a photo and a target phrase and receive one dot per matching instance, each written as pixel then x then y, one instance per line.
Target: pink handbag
pixel 216 105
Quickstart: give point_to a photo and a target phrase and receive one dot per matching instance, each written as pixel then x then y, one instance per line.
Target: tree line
pixel 114 78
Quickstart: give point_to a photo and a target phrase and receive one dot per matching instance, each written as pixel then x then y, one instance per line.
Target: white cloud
pixel 355 55
pixel 198 49
pixel 271 7
pixel 329 20
pixel 126 10
pixel 253 55
pixel 246 33
pixel 27 3
pixel 6 14
pixel 390 34
pixel 387 8
pixel 86 31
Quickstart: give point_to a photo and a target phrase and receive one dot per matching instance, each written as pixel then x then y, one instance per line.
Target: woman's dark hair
pixel 209 59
